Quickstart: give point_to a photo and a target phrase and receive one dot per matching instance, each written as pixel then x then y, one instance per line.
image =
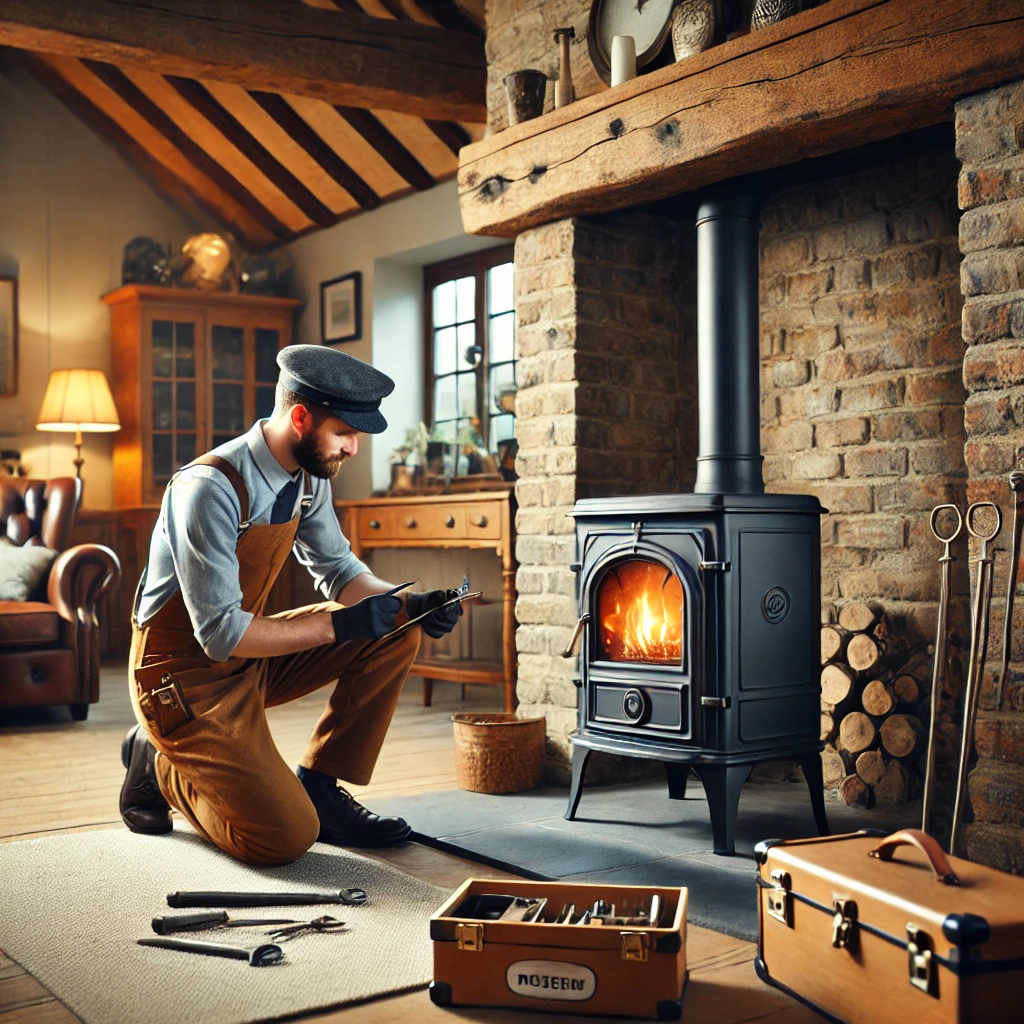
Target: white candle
pixel 623 59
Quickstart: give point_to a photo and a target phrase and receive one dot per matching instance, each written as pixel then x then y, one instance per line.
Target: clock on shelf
pixel 647 21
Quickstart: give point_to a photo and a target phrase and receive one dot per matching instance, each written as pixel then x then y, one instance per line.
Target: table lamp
pixel 78 400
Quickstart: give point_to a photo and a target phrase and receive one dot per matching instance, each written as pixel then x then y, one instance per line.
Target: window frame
pixel 475 264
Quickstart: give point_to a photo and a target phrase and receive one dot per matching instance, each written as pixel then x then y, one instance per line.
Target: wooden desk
pixel 476 520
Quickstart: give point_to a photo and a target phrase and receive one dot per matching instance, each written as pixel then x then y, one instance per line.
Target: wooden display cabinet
pixel 192 370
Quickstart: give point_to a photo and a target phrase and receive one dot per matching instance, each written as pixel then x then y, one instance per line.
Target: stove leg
pixel 580 757
pixel 722 784
pixel 677 775
pixel 811 765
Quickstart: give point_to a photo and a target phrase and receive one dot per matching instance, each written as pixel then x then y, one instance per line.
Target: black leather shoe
pixel 143 807
pixel 346 822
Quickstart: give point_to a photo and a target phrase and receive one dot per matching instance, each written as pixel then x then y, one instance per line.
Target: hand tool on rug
pixel 170 923
pixel 946 537
pixel 976 661
pixel 1017 486
pixel 259 956
pixel 317 925
pixel 349 897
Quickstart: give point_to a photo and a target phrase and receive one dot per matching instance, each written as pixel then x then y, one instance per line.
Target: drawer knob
pixel 480 521
pixel 410 523
pixel 450 522
pixel 374 524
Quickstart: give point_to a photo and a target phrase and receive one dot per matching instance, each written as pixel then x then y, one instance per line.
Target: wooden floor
pixel 62 776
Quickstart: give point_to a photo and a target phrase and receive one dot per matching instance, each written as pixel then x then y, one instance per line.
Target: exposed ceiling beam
pixel 118 82
pixel 454 136
pixel 277 107
pixel 355 60
pixel 389 147
pixel 152 155
pixel 255 151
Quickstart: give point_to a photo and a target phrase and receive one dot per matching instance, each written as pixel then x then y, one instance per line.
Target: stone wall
pixel 862 397
pixel 606 405
pixel 990 144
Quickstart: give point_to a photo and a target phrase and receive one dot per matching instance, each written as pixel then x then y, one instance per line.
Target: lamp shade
pixel 78 400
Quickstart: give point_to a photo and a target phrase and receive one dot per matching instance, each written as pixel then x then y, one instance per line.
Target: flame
pixel 640 607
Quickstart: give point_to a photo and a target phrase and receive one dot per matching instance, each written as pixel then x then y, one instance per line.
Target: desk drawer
pixel 429 522
pixel 375 523
pixel 483 520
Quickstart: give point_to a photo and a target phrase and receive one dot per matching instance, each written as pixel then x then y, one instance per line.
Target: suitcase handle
pixel 922 841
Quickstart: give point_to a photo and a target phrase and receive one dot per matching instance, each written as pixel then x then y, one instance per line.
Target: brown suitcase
pixel 633 971
pixel 868 928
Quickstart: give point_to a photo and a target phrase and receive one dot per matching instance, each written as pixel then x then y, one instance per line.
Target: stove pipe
pixel 728 350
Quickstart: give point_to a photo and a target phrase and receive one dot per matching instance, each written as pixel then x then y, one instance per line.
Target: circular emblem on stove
pixel 775 605
pixel 635 705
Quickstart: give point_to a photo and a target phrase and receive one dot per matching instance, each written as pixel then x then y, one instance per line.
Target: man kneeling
pixel 206 663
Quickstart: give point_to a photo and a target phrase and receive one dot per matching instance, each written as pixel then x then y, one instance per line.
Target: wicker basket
pixel 498 753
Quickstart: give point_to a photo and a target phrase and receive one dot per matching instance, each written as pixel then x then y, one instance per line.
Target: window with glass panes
pixel 471 367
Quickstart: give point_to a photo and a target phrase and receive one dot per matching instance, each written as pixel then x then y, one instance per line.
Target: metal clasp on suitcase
pixel 779 904
pixel 844 924
pixel 920 961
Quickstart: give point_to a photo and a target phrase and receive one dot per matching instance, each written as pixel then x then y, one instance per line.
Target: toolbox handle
pixel 929 847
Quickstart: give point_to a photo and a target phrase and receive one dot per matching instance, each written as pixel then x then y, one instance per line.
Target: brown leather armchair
pixel 49 644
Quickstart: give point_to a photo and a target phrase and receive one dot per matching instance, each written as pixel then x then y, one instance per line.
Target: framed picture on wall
pixel 8 336
pixel 341 309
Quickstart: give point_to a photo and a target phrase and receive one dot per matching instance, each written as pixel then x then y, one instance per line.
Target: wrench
pixel 938 671
pixel 263 954
pixel 1017 486
pixel 976 664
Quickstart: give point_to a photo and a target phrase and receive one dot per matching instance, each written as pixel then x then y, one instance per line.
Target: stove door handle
pixel 570 649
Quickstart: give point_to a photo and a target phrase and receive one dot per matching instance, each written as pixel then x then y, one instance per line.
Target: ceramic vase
pixel 623 59
pixel 769 12
pixel 693 27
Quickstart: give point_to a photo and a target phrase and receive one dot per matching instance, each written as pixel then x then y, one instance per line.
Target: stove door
pixel 643 644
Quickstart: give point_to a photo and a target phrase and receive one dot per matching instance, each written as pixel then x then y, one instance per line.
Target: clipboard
pixel 409 623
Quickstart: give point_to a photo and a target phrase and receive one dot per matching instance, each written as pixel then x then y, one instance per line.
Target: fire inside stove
pixel 640 611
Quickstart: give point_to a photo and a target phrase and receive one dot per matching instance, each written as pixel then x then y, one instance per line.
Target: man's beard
pixel 310 456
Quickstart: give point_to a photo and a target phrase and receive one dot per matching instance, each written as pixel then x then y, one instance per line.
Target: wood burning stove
pixel 699 613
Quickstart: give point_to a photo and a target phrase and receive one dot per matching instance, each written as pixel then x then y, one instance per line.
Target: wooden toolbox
pixel 628 971
pixel 867 928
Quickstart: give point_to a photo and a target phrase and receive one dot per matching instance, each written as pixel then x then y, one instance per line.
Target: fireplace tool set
pixel 980 627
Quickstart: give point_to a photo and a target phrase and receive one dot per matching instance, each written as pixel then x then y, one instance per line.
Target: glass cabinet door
pixel 243 364
pixel 174 424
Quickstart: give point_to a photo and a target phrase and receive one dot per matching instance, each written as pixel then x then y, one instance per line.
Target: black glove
pixel 443 620
pixel 369 619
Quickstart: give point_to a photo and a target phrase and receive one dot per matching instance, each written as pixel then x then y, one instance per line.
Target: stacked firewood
pixel 873 708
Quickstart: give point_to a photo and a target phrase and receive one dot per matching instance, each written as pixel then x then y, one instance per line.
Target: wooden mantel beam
pixel 840 75
pixel 267 45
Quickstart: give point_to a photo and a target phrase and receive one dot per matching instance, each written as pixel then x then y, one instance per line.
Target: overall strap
pixel 234 478
pixel 307 493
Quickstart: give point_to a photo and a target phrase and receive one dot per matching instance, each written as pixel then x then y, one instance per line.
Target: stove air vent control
pixel 636 706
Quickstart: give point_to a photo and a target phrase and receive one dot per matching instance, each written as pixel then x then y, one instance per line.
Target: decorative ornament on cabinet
pixel 694 23
pixel 770 12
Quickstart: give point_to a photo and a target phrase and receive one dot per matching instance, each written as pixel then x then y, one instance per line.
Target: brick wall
pixel 990 144
pixel 862 398
pixel 606 405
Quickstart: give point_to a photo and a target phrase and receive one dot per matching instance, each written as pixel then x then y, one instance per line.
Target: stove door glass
pixel 640 614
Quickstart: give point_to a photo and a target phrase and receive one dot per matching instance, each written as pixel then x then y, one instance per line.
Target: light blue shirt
pixel 193 543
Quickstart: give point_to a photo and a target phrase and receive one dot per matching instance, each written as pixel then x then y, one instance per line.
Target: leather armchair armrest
pixel 80 577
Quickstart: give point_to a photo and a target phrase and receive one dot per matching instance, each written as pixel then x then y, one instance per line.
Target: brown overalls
pixel 222 771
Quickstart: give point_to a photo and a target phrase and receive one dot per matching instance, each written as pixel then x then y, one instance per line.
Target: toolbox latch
pixel 778 899
pixel 470 936
pixel 920 961
pixel 844 924
pixel 635 946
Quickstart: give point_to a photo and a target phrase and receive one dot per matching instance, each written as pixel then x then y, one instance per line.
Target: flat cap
pixel 349 388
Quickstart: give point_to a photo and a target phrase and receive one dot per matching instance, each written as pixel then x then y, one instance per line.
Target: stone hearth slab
pixel 632 834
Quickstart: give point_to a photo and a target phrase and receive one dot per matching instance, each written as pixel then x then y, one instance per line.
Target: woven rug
pixel 72 906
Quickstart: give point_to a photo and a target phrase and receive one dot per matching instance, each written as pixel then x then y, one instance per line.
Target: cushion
pixel 28 622
pixel 22 569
